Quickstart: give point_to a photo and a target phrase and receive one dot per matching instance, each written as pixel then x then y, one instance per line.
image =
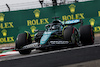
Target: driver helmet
pixel 53 27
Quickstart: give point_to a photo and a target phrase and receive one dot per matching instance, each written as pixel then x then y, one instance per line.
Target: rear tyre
pixel 22 40
pixel 87 35
pixel 71 34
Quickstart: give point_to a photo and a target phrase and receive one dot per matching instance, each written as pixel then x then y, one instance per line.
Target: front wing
pixel 39 46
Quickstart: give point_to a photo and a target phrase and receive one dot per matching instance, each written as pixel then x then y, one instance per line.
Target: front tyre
pixel 22 40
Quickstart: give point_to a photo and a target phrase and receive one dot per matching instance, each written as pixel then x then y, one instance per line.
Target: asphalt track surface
pixel 86 56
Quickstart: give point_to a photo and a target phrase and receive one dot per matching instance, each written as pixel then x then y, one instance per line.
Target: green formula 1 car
pixel 57 33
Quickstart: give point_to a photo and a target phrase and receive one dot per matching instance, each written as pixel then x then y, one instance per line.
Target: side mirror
pixel 36 30
pixel 47 25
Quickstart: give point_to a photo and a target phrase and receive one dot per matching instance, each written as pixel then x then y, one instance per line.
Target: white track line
pixel 76 48
pixel 51 52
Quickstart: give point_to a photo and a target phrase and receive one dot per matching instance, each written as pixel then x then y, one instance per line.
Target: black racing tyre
pixel 71 34
pixel 38 36
pixel 68 33
pixel 22 40
pixel 87 35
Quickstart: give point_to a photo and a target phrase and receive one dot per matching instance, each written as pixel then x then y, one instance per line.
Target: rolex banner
pixel 15 22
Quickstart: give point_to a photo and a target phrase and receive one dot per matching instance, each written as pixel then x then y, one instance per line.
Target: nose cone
pixel 45 38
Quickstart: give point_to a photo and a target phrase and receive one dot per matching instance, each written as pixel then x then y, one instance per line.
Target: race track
pixel 86 56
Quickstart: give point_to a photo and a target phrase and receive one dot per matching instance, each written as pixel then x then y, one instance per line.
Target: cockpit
pixel 55 25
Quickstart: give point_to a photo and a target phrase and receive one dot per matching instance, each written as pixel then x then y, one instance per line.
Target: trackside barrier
pixel 15 22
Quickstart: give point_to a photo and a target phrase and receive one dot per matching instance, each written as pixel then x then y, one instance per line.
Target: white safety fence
pixel 35 4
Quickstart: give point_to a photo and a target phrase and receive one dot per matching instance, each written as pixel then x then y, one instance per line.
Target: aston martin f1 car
pixel 56 33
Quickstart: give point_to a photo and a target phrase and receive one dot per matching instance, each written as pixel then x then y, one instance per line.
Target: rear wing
pixel 72 22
